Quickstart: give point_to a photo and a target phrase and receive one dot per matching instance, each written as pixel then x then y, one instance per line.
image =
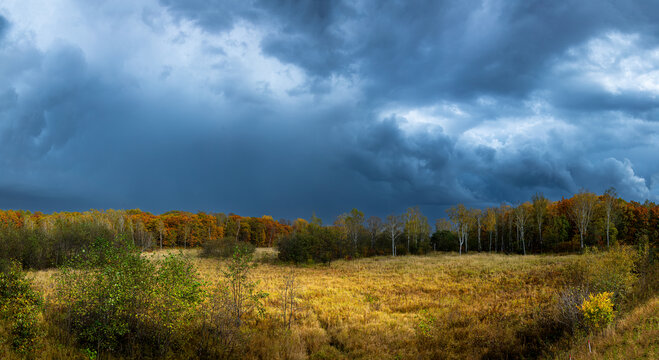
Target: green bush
pixel 613 271
pixel 20 306
pixel 315 244
pixel 40 249
pixel 111 299
pixel 224 248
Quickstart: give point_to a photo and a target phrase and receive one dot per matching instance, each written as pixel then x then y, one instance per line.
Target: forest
pixel 538 226
pixel 537 279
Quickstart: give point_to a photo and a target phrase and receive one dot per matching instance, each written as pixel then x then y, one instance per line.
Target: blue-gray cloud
pixel 4 25
pixel 288 107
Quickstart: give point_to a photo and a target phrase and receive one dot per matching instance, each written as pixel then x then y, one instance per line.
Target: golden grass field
pixel 409 307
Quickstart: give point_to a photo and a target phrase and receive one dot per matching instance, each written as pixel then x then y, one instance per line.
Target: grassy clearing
pixel 387 308
pixel 410 307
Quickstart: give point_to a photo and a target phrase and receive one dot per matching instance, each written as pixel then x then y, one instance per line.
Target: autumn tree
pixel 160 226
pixel 581 211
pixel 539 211
pixel 374 224
pixel 609 200
pixel 490 223
pixel 416 226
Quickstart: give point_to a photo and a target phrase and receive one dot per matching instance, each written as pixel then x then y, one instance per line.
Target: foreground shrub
pixel 20 306
pixel 114 300
pixel 647 269
pixel 568 313
pixel 598 310
pixel 615 272
pixel 245 299
pixel 222 334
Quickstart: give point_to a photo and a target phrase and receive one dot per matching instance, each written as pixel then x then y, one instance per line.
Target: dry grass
pixel 635 336
pixel 372 308
pixel 411 307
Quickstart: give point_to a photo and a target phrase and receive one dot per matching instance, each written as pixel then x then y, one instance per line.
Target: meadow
pixel 436 306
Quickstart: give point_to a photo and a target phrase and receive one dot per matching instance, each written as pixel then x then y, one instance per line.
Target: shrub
pixel 315 244
pixel 221 332
pixel 245 298
pixel 611 271
pixel 647 269
pixel 614 271
pixel 598 310
pixel 224 248
pixel 568 313
pixel 114 300
pixel 20 305
pixel 218 335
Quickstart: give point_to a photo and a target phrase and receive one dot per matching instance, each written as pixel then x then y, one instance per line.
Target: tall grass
pixel 422 307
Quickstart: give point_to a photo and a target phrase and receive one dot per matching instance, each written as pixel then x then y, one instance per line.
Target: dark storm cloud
pixel 370 104
pixel 424 50
pixel 19 199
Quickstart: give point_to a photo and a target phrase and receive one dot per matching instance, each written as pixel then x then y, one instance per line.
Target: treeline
pixel 40 240
pixel 541 225
pixel 353 235
pixel 536 226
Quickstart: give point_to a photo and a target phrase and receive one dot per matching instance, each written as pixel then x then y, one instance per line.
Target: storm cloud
pixel 286 108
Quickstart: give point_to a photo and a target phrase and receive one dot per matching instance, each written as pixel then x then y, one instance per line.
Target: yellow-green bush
pixel 598 310
pixel 20 306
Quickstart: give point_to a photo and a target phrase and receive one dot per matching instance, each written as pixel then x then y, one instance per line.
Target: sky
pixel 292 107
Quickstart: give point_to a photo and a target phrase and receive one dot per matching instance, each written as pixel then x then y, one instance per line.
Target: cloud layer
pixel 286 108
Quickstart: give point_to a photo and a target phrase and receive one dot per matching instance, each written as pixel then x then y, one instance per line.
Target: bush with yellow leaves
pixel 598 310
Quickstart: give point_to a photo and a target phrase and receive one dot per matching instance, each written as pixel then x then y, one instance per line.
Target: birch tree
pixel 393 228
pixel 478 216
pixel 581 211
pixel 354 224
pixel 461 218
pixel 522 213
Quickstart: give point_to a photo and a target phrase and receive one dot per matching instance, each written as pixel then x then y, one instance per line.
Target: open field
pixel 440 305
pixel 468 306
